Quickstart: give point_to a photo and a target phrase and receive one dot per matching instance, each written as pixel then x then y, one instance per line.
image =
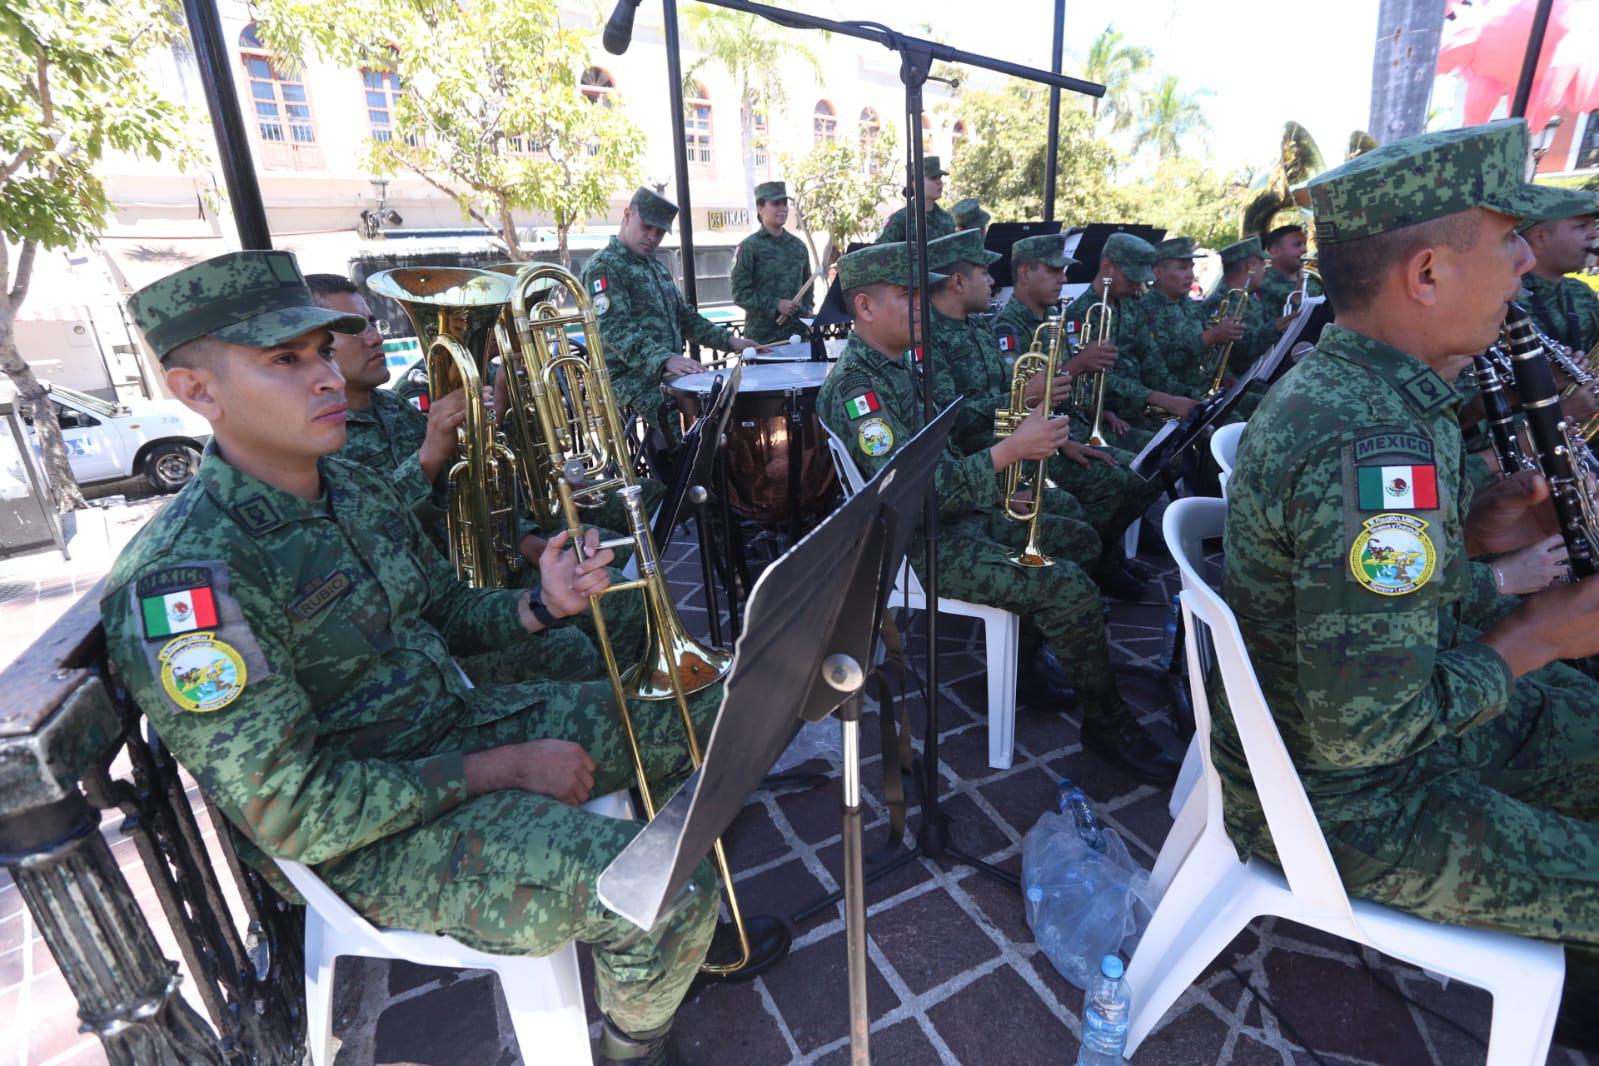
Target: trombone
pixel 454 311
pixel 1008 418
pixel 1088 390
pixel 585 449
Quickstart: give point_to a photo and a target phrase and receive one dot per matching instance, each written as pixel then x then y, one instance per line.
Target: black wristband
pixel 542 613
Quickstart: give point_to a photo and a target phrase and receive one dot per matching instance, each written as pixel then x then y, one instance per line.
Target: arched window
pixel 870 128
pixel 282 109
pixel 598 86
pixel 824 123
pixel 697 123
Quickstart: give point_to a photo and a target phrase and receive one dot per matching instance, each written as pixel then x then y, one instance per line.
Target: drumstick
pixel 805 288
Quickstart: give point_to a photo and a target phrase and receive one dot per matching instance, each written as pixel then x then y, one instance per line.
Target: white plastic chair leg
pixel 1180 841
pixel 319 965
pixel 1130 539
pixel 1514 1038
pixel 544 997
pixel 1187 777
pixel 1002 637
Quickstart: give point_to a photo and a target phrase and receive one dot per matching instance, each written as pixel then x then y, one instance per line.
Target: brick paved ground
pixel 955 976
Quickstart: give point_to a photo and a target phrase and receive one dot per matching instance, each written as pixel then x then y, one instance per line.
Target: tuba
pixel 583 447
pixel 1088 390
pixel 454 311
pixel 1008 418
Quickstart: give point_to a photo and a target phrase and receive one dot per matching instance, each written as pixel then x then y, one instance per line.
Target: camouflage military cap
pixel 1248 248
pixel 878 264
pixel 770 191
pixel 1134 255
pixel 1046 248
pixel 254 298
pixel 1587 207
pixel 655 209
pixel 969 214
pixel 965 246
pixel 932 167
pixel 1432 175
pixel 1177 248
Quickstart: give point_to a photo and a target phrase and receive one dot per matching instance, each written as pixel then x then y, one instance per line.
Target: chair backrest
pixel 849 473
pixel 1224 447
pixel 1296 835
pixel 323 900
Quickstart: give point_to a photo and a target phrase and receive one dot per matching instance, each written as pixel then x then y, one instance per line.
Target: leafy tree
pixel 73 85
pixel 1168 115
pixel 752 51
pixel 491 110
pixel 1190 200
pixel 839 189
pixel 1116 65
pixel 1003 164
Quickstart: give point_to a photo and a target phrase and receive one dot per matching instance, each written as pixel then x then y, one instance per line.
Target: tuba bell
pixel 454 311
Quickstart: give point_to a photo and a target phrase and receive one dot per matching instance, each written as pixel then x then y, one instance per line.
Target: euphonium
pixel 1231 309
pixel 1088 390
pixel 454 310
pixel 1008 418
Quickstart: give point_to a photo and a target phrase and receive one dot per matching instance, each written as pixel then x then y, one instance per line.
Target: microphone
pixel 619 30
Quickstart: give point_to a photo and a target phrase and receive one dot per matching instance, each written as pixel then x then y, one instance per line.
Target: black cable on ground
pixel 1282 1020
pixel 1395 990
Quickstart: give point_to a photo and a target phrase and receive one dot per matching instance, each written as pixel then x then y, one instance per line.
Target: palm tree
pixel 1167 115
pixel 1116 65
pixel 1298 160
pixel 752 51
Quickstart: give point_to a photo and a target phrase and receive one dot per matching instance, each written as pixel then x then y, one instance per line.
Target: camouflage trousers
pixel 1511 842
pixel 1060 602
pixel 1112 497
pixel 514 873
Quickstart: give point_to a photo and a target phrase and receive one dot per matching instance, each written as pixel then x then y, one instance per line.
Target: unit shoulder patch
pixel 875 437
pixel 1392 555
pixel 201 673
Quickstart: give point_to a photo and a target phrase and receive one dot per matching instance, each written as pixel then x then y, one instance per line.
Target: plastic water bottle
pixel 1105 1009
pixel 1070 801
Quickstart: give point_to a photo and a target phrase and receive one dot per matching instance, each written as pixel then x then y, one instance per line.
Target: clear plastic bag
pixel 1082 903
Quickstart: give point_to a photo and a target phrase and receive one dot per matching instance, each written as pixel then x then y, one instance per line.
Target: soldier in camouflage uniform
pixel 971 364
pixel 1125 266
pixel 1285 246
pixel 940 223
pixel 643 319
pixel 769 267
pixel 1451 766
pixel 1185 343
pixel 286 626
pixel 969 214
pixel 1564 308
pixel 1242 267
pixel 872 400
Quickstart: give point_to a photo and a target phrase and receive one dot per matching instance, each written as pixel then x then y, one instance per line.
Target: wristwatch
pixel 535 601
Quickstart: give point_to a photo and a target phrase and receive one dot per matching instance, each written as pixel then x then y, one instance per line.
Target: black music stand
pixel 811 633
pixel 1090 246
pixel 1001 236
pixel 695 458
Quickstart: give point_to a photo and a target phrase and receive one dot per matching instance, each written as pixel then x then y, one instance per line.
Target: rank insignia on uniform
pixel 1392 555
pixel 201 673
pixel 875 437
pixel 862 405
pixel 1398 488
pixel 180 611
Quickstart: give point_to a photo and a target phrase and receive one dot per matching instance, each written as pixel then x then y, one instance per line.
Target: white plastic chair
pixel 1209 896
pixel 544 995
pixel 1224 447
pixel 1001 628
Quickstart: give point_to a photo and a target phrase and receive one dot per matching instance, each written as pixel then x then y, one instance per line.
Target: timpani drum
pixel 778 467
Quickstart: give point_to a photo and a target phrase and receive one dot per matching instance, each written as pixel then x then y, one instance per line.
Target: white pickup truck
pixel 160 439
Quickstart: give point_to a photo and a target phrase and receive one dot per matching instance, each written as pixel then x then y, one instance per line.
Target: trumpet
pixel 1008 418
pixel 585 450
pixel 454 311
pixel 1088 390
pixel 1296 299
pixel 1231 309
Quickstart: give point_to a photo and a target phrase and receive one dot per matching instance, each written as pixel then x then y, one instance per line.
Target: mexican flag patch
pixel 862 405
pixel 598 285
pixel 1007 343
pixel 1398 488
pixel 178 612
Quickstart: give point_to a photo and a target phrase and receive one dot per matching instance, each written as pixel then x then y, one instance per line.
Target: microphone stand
pixel 916 60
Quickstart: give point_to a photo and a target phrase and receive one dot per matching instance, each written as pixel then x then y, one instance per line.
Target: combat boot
pixel 1152 754
pixel 653 1048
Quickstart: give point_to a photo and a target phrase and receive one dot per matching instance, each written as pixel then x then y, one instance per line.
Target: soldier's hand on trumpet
pixel 1036 438
pixel 1034 392
pixel 1222 332
pixel 1093 358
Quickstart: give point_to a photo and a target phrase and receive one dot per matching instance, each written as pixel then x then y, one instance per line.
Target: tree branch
pixel 19 287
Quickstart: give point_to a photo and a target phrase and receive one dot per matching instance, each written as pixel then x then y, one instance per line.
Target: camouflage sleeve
pixel 472 620
pixel 425 498
pixel 1482 593
pixel 1153 368
pixel 807 303
pixel 1125 390
pixel 228 704
pixel 746 292
pixel 894 229
pixel 1374 687
pixel 633 356
pixel 702 329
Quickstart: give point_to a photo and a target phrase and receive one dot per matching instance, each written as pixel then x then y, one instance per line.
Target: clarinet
pixel 1551 434
pixel 1500 415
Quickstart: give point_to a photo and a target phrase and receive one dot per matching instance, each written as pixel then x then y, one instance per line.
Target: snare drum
pixel 778 469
